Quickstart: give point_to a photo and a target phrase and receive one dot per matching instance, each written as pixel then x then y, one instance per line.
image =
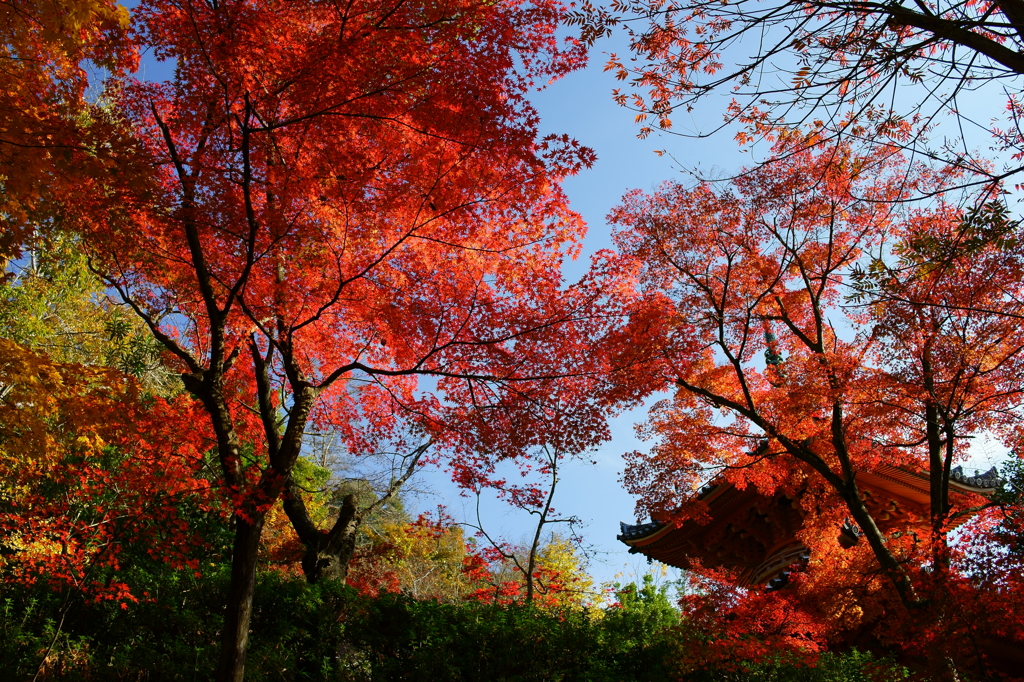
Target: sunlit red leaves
pixel 391 209
pixel 739 267
pixel 726 627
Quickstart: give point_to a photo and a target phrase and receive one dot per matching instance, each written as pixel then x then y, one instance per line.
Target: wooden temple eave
pixel 901 497
pixel 909 487
pixel 755 535
pixel 916 487
pixel 745 534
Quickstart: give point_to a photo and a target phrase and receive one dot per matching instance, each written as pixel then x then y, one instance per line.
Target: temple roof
pixel 755 535
pixel 987 482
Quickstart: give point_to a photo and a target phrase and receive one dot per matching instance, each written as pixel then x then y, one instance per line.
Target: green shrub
pixel 328 632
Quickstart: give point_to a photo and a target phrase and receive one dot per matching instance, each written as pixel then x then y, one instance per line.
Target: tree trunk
pixel 235 635
pixel 876 539
pixel 330 561
pixel 329 554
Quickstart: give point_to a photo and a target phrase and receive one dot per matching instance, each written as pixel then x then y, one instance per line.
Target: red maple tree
pixel 347 197
pixel 815 329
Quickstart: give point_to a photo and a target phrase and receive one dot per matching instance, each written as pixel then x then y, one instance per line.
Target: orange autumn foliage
pixel 55 145
pixel 88 464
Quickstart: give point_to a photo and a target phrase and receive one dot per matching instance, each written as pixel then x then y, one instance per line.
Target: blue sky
pixel 581 106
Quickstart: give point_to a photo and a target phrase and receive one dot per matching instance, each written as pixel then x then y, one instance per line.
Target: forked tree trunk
pixel 329 554
pixel 327 565
pixel 235 635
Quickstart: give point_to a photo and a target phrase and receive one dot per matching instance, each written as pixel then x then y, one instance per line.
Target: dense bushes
pixel 405 640
pixel 852 666
pixel 330 632
pixel 321 632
